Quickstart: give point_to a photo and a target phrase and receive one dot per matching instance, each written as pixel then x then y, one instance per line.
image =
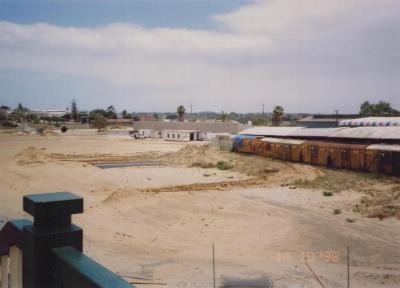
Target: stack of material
pixel 233 282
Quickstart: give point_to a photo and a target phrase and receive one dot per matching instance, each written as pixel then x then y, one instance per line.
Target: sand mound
pixel 213 186
pixel 49 133
pixel 30 155
pixel 293 173
pixel 192 154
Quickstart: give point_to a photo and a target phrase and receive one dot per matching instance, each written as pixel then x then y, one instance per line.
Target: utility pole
pixel 337 115
pixel 191 108
pixel 263 111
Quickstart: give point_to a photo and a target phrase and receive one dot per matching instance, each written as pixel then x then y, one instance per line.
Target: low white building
pixel 150 133
pixel 181 135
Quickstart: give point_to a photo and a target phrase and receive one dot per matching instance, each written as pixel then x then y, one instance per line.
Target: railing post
pixel 52 228
pixel 4 271
pixel 15 267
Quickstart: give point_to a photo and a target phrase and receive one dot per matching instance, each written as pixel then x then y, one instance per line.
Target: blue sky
pixel 191 14
pixel 306 55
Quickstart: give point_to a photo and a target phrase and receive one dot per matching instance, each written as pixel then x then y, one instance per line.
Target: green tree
pixel 97 111
pixel 181 112
pixel 34 118
pixel 83 117
pixel 5 108
pixel 74 111
pixel 277 115
pixel 379 109
pixel 223 116
pixel 171 116
pixel 365 109
pixel 3 115
pixel 20 112
pixel 259 121
pixel 124 114
pixel 67 117
pixel 111 112
pixel 99 121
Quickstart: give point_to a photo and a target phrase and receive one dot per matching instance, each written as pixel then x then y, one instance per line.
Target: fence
pixel 48 251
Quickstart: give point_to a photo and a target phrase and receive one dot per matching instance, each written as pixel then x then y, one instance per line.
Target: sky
pixel 313 56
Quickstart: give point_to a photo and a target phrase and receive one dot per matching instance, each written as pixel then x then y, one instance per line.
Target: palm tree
pixel 277 115
pixel 181 112
pixel 223 117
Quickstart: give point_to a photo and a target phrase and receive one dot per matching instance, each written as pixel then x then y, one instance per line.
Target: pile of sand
pixel 193 154
pixel 49 133
pixel 30 155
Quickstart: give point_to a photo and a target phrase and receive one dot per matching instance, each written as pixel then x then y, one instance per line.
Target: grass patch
pixel 342 180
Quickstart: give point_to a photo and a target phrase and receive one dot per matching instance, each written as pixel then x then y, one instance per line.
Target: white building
pixel 49 113
pixel 181 135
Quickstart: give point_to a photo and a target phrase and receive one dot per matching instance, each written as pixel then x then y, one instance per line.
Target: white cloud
pixel 295 53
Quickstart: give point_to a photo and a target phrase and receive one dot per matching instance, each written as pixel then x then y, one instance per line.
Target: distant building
pixel 157 127
pixel 49 113
pixel 371 121
pixel 120 121
pixel 181 135
pixel 147 117
pixel 323 120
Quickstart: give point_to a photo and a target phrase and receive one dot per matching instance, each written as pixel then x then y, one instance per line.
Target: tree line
pixel 379 109
pixel 9 117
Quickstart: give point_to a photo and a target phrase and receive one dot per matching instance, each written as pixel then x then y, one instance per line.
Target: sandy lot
pixel 265 217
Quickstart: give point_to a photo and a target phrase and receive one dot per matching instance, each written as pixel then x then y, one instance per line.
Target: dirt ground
pixel 265 217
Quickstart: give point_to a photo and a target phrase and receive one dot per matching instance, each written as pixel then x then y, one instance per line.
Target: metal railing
pixel 48 251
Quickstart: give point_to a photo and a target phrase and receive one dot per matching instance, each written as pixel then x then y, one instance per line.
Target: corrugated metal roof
pixel 368 133
pixel 270 131
pixel 315 132
pixel 179 131
pixel 282 141
pixel 313 119
pixel 372 121
pixel 384 147
pixel 377 133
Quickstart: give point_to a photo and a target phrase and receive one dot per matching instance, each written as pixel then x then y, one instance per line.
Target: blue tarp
pixel 238 141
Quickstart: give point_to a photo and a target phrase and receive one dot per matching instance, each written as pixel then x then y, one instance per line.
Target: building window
pixel 179 135
pixel 173 136
pixel 168 135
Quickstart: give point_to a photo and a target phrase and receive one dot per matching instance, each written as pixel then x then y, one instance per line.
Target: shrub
pixel 222 165
pixel 337 211
pixel 203 165
pixel 64 129
pixel 327 193
pixel 8 124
